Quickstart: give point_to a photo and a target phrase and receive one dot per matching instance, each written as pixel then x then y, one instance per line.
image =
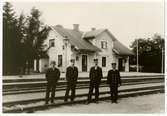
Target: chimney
pixel 76 27
pixel 59 26
pixel 93 28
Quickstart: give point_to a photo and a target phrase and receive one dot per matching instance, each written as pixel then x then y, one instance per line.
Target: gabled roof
pixel 120 49
pixel 75 38
pixel 93 33
pixel 79 39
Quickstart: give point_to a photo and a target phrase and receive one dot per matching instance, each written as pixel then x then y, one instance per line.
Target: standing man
pixel 71 77
pixel 95 76
pixel 52 76
pixel 114 81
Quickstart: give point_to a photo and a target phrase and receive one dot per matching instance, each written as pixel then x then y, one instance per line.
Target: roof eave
pixel 90 37
pixel 122 54
pixel 90 50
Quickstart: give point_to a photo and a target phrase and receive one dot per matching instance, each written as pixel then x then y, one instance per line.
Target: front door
pixel 84 63
pixel 120 64
pixel 37 65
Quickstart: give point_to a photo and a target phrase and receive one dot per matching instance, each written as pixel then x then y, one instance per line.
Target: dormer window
pixel 51 42
pixel 103 44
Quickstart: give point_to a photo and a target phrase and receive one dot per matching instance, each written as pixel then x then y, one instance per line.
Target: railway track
pixel 132 86
pixel 61 88
pixel 38 104
pixel 26 79
pixel 14 87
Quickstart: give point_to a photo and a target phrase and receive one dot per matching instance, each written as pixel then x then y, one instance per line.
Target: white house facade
pixel 64 44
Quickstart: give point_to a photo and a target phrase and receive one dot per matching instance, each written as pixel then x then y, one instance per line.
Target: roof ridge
pixel 77 38
pixel 103 29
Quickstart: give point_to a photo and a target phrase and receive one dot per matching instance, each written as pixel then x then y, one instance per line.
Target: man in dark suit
pixel 95 76
pixel 71 77
pixel 52 76
pixel 114 81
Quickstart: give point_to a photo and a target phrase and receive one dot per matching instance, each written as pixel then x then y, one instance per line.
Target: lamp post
pixel 162 65
pixel 65 40
pixel 137 56
pixel 22 52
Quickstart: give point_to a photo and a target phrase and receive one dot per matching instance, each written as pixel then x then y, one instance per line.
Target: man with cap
pixel 52 76
pixel 95 76
pixel 114 81
pixel 71 77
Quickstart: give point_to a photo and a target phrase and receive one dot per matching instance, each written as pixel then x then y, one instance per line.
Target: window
pixel 103 44
pixel 63 47
pixel 103 61
pixel 60 60
pixel 51 43
pixel 72 47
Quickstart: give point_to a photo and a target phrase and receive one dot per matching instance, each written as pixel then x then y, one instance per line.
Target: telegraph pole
pixel 137 56
pixel 66 40
pixel 162 65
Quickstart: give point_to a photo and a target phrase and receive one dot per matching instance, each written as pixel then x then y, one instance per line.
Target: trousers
pixel 114 93
pixel 50 89
pixel 70 86
pixel 91 88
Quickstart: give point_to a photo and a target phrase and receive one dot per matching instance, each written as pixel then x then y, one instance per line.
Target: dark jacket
pixel 52 75
pixel 95 75
pixel 113 77
pixel 72 74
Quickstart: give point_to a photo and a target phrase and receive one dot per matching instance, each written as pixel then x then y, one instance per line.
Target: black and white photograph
pixel 83 57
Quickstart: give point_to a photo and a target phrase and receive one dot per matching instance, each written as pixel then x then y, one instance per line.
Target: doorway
pixel 120 64
pixel 84 63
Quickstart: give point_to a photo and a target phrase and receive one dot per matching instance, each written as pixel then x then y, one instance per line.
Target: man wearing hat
pixel 114 81
pixel 52 76
pixel 95 76
pixel 71 77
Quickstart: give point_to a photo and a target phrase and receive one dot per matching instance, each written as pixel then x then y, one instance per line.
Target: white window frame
pixel 60 61
pixel 104 44
pixel 50 43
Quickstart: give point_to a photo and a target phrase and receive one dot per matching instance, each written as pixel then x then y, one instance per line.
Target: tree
pixel 36 34
pixel 150 53
pixel 23 39
pixel 10 40
pixel 21 33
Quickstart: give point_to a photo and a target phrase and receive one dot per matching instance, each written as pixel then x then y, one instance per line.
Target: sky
pixel 126 20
